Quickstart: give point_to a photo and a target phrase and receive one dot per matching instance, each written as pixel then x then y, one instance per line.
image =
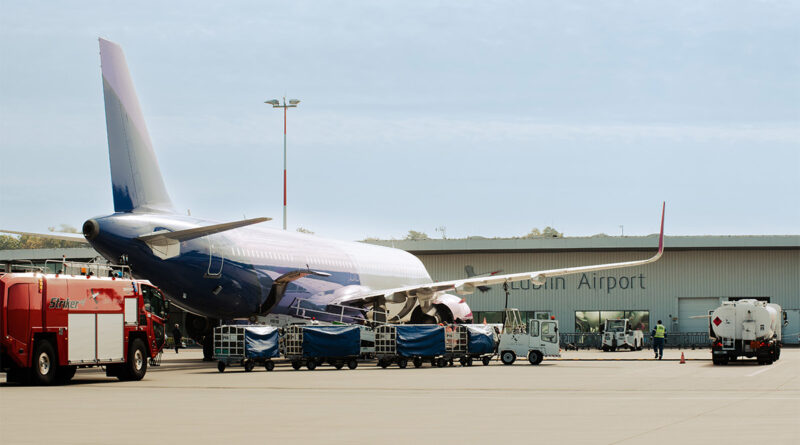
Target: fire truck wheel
pixel 311 365
pixel 535 357
pixel 44 363
pixel 508 357
pixel 485 361
pixel 249 365
pixel 220 366
pixel 352 364
pixel 269 365
pixel 136 366
pixel 65 373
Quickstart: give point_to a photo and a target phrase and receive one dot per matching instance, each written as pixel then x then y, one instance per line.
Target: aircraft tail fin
pixel 135 176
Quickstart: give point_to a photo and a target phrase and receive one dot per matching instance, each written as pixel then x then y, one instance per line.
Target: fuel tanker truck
pixel 746 328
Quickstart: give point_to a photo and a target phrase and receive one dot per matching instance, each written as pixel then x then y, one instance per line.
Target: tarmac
pixel 585 397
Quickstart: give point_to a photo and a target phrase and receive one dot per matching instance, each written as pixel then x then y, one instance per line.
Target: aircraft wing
pixel 197 232
pixel 465 286
pixel 61 236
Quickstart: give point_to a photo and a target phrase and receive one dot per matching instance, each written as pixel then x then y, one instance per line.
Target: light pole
pixel 277 104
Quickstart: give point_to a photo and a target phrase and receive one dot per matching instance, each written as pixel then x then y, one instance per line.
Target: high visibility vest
pixel 660 331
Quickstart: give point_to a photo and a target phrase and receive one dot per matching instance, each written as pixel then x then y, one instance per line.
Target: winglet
pixel 661 235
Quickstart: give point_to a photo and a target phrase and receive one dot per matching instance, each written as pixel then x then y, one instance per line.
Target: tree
pixel 413 235
pixel 548 232
pixel 304 230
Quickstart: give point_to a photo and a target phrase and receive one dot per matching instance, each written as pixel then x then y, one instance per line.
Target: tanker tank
pixel 745 328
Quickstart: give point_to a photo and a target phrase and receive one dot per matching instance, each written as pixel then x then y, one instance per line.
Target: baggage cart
pixel 311 346
pixel 416 343
pixel 246 346
pixel 481 344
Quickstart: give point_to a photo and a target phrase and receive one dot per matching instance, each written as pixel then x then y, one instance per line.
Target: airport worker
pixel 176 335
pixel 659 333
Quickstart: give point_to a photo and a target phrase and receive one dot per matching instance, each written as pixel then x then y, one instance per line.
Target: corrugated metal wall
pixel 656 287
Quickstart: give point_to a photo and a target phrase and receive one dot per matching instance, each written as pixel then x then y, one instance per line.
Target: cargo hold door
pixel 215 261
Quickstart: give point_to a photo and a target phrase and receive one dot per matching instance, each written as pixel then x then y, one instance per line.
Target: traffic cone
pixel 683 359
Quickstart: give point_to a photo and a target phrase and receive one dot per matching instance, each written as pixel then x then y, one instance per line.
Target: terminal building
pixel 694 276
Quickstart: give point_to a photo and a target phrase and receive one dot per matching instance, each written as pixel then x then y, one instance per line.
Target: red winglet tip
pixel 661 234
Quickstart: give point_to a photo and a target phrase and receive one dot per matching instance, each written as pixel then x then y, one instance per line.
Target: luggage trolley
pixel 246 346
pixel 314 345
pixel 481 345
pixel 456 340
pixel 417 343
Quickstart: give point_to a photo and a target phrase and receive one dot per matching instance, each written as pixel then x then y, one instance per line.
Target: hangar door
pixel 689 307
pixel 791 332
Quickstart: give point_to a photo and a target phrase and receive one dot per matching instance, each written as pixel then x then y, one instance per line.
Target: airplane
pixel 221 271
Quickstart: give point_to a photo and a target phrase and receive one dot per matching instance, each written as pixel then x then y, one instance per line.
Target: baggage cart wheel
pixel 469 361
pixel 508 357
pixel 535 357
pixel 450 362
pixel 269 365
pixel 433 362
pixel 220 366
pixel 352 363
pixel 296 365
pixel 311 365
pixel 486 361
pixel 383 363
pixel 249 365
pixel 441 362
pixel 338 364
pixel 417 362
pixel 463 361
pixel 402 363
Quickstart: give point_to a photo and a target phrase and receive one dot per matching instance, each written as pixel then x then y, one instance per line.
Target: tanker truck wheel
pixel 44 364
pixel 508 357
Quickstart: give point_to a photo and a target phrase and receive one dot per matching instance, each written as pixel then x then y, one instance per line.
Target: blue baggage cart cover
pixel 481 339
pixel 416 340
pixel 260 342
pixel 331 341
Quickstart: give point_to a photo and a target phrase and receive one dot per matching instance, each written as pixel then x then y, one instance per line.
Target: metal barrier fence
pixel 593 340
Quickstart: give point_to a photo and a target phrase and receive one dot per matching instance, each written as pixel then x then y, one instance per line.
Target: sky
pixel 487 118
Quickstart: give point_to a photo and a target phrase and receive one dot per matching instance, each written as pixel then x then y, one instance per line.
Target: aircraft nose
pixel 91 229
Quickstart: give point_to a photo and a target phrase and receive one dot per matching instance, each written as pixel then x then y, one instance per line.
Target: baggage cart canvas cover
pixel 426 341
pixel 481 339
pixel 331 341
pixel 260 342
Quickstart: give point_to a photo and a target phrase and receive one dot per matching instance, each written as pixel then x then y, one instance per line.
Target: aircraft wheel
pixel 508 357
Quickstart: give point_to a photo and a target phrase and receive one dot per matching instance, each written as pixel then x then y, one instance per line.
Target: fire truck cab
pixel 51 325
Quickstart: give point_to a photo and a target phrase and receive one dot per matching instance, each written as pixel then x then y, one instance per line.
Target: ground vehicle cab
pixel 535 340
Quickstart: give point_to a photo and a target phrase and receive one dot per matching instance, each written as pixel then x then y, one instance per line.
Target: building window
pixel 592 321
pixel 497 316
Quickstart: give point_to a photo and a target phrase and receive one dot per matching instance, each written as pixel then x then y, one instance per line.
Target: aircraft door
pixel 17 317
pixel 216 260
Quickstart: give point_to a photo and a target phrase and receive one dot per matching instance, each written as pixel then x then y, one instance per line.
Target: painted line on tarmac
pixel 628 359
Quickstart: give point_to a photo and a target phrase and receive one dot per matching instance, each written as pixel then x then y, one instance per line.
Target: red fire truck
pixel 53 324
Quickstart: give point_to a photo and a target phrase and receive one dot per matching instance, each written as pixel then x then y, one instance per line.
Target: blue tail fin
pixel 135 176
